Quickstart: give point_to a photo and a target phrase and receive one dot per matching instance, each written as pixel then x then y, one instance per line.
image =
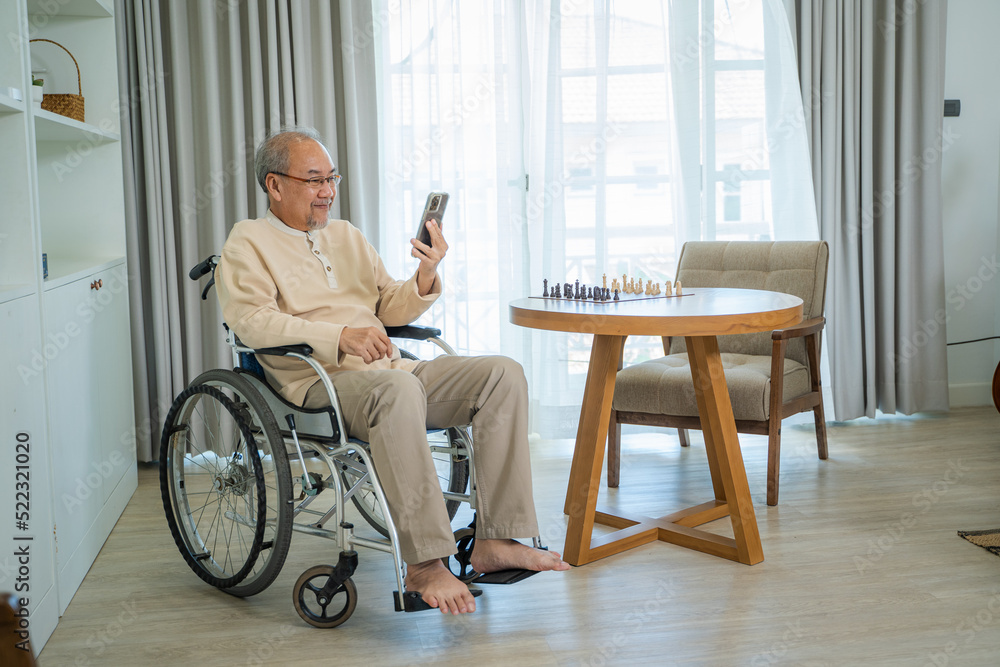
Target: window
pixel 636 125
pixel 671 108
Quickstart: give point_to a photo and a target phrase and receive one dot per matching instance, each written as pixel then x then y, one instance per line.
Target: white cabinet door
pixel 114 393
pixel 90 416
pixel 27 567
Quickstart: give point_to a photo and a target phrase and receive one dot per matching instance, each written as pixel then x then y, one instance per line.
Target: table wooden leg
pixel 588 455
pixel 713 457
pixel 723 444
pixel 725 461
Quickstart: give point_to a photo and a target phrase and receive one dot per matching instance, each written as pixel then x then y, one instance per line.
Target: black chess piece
pixel 567 291
pixel 607 293
pixel 545 287
pixel 590 293
pixel 616 295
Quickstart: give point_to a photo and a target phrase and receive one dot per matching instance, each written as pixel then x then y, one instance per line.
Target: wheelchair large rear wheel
pixel 449 449
pixel 225 482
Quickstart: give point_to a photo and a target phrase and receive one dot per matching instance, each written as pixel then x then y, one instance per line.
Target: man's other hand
pixel 369 343
pixel 430 256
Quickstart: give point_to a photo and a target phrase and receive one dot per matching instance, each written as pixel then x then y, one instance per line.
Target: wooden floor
pixel 862 566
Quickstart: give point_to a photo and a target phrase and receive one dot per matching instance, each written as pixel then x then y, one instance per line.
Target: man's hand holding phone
pixel 430 247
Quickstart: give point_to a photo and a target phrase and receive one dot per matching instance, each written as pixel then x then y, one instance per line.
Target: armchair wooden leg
pixel 773 461
pixel 820 431
pixel 682 435
pixel 812 350
pixel 614 450
pixel 778 348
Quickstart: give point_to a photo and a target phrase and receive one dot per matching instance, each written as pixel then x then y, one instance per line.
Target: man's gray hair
pixel 272 154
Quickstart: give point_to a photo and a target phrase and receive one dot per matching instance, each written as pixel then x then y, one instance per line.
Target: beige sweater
pixel 280 286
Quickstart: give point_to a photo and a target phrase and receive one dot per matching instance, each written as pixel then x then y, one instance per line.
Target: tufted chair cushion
pixel 791 267
pixel 663 386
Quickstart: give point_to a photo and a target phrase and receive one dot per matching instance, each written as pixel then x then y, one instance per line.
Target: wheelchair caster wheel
pixel 316 607
pixel 462 567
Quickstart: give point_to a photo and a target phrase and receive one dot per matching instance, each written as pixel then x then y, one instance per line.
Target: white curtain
pixel 451 111
pixel 583 139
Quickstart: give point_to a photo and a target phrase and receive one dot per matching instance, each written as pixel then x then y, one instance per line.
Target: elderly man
pixel 296 276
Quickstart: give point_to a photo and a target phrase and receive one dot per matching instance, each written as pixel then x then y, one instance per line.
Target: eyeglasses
pixel 314 183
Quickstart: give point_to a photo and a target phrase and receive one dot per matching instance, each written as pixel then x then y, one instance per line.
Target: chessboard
pixel 628 289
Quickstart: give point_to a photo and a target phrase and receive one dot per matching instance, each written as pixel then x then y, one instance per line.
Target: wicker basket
pixel 65 104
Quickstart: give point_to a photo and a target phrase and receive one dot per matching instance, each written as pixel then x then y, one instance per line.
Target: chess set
pixel 629 289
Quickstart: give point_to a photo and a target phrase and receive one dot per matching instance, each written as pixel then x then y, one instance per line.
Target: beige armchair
pixel 770 375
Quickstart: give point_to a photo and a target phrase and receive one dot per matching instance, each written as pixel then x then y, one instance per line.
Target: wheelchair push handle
pixel 204 267
pixel 207 265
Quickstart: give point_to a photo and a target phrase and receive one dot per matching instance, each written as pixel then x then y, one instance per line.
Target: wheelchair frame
pixel 344 458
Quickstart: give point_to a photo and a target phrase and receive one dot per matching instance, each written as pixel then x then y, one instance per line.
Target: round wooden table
pixel 700 315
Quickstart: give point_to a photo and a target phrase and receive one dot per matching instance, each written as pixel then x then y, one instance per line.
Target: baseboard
pixel 44 618
pixel 970 394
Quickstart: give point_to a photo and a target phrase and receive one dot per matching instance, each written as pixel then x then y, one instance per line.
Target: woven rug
pixel 987 539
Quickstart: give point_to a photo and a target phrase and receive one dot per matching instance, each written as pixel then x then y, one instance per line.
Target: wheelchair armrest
pixel 284 350
pixel 413 332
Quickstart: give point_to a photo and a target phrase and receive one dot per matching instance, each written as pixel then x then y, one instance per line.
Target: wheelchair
pixel 238 475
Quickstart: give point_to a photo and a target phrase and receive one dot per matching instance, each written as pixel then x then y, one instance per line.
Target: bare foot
pixel 495 555
pixel 439 587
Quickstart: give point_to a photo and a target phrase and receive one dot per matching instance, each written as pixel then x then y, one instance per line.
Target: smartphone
pixel 433 210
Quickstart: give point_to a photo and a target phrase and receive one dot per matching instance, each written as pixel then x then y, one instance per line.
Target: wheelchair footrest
pixel 412 601
pixel 511 576
pixel 465 542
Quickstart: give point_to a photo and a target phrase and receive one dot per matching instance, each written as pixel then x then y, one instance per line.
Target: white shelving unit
pixel 66 347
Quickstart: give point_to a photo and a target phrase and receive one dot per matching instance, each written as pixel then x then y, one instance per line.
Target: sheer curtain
pixel 583 139
pixel 451 117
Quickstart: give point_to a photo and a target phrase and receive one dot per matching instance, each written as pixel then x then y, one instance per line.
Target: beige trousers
pixel 392 410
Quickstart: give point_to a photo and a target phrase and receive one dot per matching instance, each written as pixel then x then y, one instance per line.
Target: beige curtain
pixel 872 77
pixel 204 82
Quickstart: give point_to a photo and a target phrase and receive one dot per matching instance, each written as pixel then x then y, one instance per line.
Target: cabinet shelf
pixel 96 8
pixel 9 105
pixel 53 127
pixel 64 270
